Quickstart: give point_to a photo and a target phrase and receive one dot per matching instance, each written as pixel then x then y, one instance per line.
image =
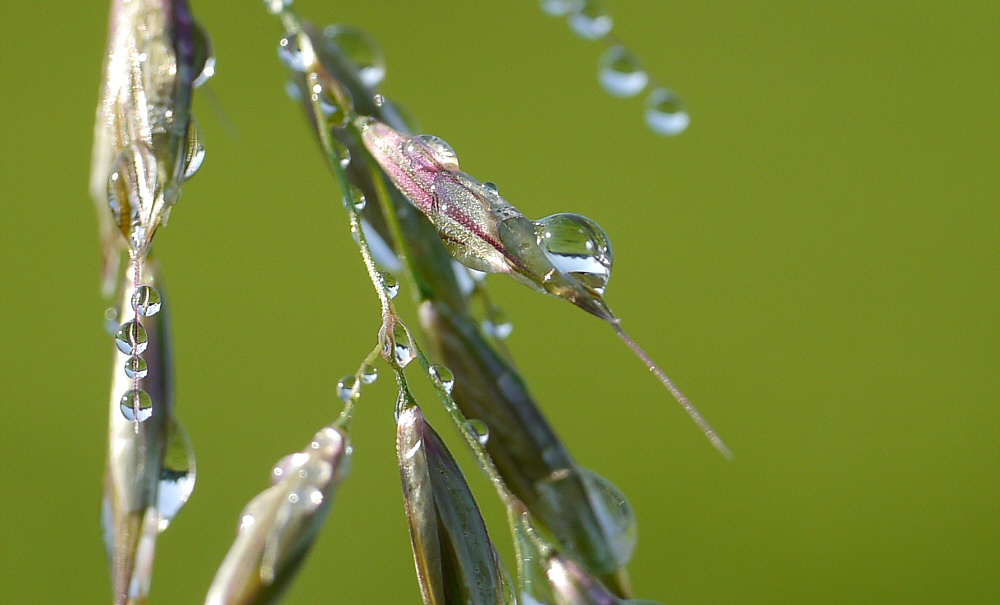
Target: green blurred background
pixel 815 262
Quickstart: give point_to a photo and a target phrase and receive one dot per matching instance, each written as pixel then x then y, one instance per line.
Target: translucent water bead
pixel 620 72
pixel 665 113
pixel 578 247
pixel 589 19
pixel 146 300
pixel 444 376
pixel 614 513
pixel 131 338
pixel 362 50
pixel 136 399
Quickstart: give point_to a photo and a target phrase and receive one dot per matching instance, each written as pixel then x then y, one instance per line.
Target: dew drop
pixel 443 375
pixel 479 430
pixel 665 113
pixel 204 55
pixel 614 513
pixel 131 338
pixel 342 152
pixel 577 246
pixel 177 475
pixel 194 149
pixel 132 193
pixel 620 72
pixel 356 201
pixel 391 283
pixel 441 151
pixel 362 50
pixel 290 53
pixel 293 91
pixel 589 20
pixel 136 398
pixel 135 368
pixel 497 324
pixel 556 8
pixel 403 350
pixel 492 187
pixel 334 114
pixel 276 6
pixel 146 300
pixel 345 387
pixel 369 374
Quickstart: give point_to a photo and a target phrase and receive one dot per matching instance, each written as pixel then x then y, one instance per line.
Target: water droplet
pixel 665 113
pixel 479 430
pixel 146 300
pixel 362 50
pixel 620 72
pixel 379 100
pixel 492 187
pixel 276 6
pixel 131 338
pixel 589 20
pixel 345 387
pixel 290 53
pixel 204 55
pixel 497 324
pixel 135 368
pixel 357 200
pixel 403 350
pixel 369 374
pixel 391 283
pixel 444 376
pixel 136 399
pixel 614 513
pixel 556 8
pixel 133 190
pixel 293 91
pixel 177 475
pixel 577 246
pixel 441 151
pixel 194 149
pixel 332 111
pixel 342 152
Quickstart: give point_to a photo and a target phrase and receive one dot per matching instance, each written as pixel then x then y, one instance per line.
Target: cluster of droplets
pixel 136 404
pixel 620 72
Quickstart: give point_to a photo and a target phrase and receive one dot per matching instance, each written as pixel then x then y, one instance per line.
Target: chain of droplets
pixel 131 340
pixel 620 72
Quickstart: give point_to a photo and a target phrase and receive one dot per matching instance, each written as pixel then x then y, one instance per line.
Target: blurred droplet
pixel 276 6
pixel 444 376
pixel 358 46
pixel 204 55
pixel 614 513
pixel 369 374
pixel 665 113
pixel 131 338
pixel 293 91
pixel 290 53
pixel 136 400
pixel 345 387
pixel 146 300
pixel 194 149
pixel 556 8
pixel 589 20
pixel 479 430
pixel 497 324
pixel 391 283
pixel 620 72
pixel 577 246
pixel 441 151
pixel 403 348
pixel 135 368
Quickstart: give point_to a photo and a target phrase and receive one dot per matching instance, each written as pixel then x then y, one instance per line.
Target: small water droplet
pixel 665 113
pixel 342 152
pixel 577 246
pixel 391 283
pixel 356 201
pixel 290 53
pixel 441 151
pixel 146 300
pixel 369 374
pixel 403 350
pixel 131 338
pixel 362 50
pixel 492 187
pixel 479 430
pixel 194 149
pixel 136 399
pixel 589 20
pixel 276 6
pixel 620 72
pixel 345 387
pixel 556 8
pixel 444 376
pixel 135 368
pixel 497 324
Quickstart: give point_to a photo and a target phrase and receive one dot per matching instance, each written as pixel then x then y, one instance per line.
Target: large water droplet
pixel 290 53
pixel 146 300
pixel 577 246
pixel 345 387
pixel 556 8
pixel 620 72
pixel 132 193
pixel 403 349
pixel 444 376
pixel 441 151
pixel 136 399
pixel 479 430
pixel 177 475
pixel 369 374
pixel 391 283
pixel 135 368
pixel 131 338
pixel 590 20
pixel 665 113
pixel 358 46
pixel 614 513
pixel 194 149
